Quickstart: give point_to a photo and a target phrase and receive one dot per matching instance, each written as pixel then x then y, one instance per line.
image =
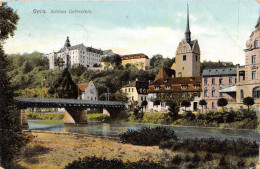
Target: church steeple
pixel 187 33
pixel 67 43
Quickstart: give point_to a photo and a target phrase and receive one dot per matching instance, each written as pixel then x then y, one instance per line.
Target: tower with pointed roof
pixel 187 58
pixel 67 43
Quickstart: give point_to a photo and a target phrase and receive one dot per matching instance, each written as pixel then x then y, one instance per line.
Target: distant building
pixel 140 60
pixel 219 83
pixel 89 91
pixel 136 92
pixel 248 76
pixel 75 55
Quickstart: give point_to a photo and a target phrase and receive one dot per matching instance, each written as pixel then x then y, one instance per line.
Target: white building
pixel 89 91
pixel 75 55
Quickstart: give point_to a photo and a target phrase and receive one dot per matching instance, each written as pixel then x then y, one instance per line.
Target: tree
pixel 116 60
pixel 144 104
pixel 185 104
pixel 174 110
pixel 222 102
pixel 202 103
pixel 64 86
pixel 156 103
pixel 248 101
pixel 10 132
pixel 120 96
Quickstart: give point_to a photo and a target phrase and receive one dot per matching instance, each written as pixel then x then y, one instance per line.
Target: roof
pixel 178 84
pixel 229 89
pixel 83 86
pixel 134 56
pixel 89 49
pixel 165 73
pixel 107 51
pixel 178 80
pixel 220 72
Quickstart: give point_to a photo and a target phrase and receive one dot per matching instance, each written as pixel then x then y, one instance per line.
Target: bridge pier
pixel 23 119
pixel 112 112
pixel 75 116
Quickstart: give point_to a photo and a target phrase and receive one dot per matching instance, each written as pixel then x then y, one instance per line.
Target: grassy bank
pixel 44 116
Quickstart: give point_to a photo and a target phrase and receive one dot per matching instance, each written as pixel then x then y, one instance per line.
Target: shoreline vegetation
pixel 70 150
pixel 239 119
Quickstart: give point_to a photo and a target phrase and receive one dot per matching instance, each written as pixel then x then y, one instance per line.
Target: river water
pixel 115 129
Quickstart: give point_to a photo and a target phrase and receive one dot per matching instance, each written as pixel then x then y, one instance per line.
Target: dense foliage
pixel 222 102
pixel 103 163
pixel 240 148
pixel 248 101
pixel 10 132
pixel 148 136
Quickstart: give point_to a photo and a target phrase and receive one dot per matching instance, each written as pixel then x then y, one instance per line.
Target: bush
pixel 222 161
pixel 177 160
pixel 99 163
pixel 148 136
pixel 208 157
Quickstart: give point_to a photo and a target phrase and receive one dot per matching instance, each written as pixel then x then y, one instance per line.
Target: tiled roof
pixel 220 72
pixel 83 86
pixel 178 84
pixel 134 56
pixel 178 80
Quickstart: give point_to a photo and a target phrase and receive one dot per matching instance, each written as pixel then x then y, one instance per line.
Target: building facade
pixel 75 55
pixel 219 83
pixel 89 91
pixel 248 76
pixel 140 61
pixel 136 92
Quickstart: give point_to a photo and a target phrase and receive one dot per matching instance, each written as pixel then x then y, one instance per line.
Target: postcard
pixel 130 84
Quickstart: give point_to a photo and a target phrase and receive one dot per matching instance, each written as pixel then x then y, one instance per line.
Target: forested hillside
pixel 30 74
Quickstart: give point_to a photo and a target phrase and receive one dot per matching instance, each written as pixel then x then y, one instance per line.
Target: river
pixel 115 129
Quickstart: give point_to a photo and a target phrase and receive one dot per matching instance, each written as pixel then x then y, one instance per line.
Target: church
pixel 184 75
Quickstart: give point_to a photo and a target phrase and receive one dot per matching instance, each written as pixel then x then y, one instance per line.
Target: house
pixel 219 83
pixel 136 92
pixel 140 60
pixel 248 76
pixel 89 91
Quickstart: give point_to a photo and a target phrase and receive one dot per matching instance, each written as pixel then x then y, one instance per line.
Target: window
pixel 182 68
pixel 157 87
pixel 128 89
pixel 184 86
pixel 184 57
pixel 125 90
pixel 254 59
pixel 235 79
pixel 241 94
pixel 205 93
pixel 221 80
pixel 242 75
pixel 220 95
pixel 132 97
pixel 213 105
pixel 132 89
pixel 213 80
pixel 253 75
pixel 256 43
pixel 205 80
pixel 213 93
pixel 230 80
pixel 256 92
pixel 196 86
pixel 168 87
pixel 142 98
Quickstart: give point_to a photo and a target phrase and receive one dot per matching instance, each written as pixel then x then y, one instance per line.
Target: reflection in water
pixel 115 129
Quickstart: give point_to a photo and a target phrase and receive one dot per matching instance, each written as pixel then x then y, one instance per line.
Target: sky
pixel 152 27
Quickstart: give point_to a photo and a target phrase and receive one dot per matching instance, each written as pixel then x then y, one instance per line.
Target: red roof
pixel 134 56
pixel 83 86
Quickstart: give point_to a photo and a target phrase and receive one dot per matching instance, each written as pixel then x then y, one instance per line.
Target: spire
pixel 67 43
pixel 187 33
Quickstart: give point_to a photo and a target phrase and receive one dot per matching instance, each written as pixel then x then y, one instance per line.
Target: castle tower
pixel 187 59
pixel 67 43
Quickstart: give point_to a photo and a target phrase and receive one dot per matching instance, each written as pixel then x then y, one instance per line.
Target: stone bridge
pixel 74 108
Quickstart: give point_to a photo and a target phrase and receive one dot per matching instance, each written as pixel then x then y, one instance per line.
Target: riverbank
pixel 50 150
